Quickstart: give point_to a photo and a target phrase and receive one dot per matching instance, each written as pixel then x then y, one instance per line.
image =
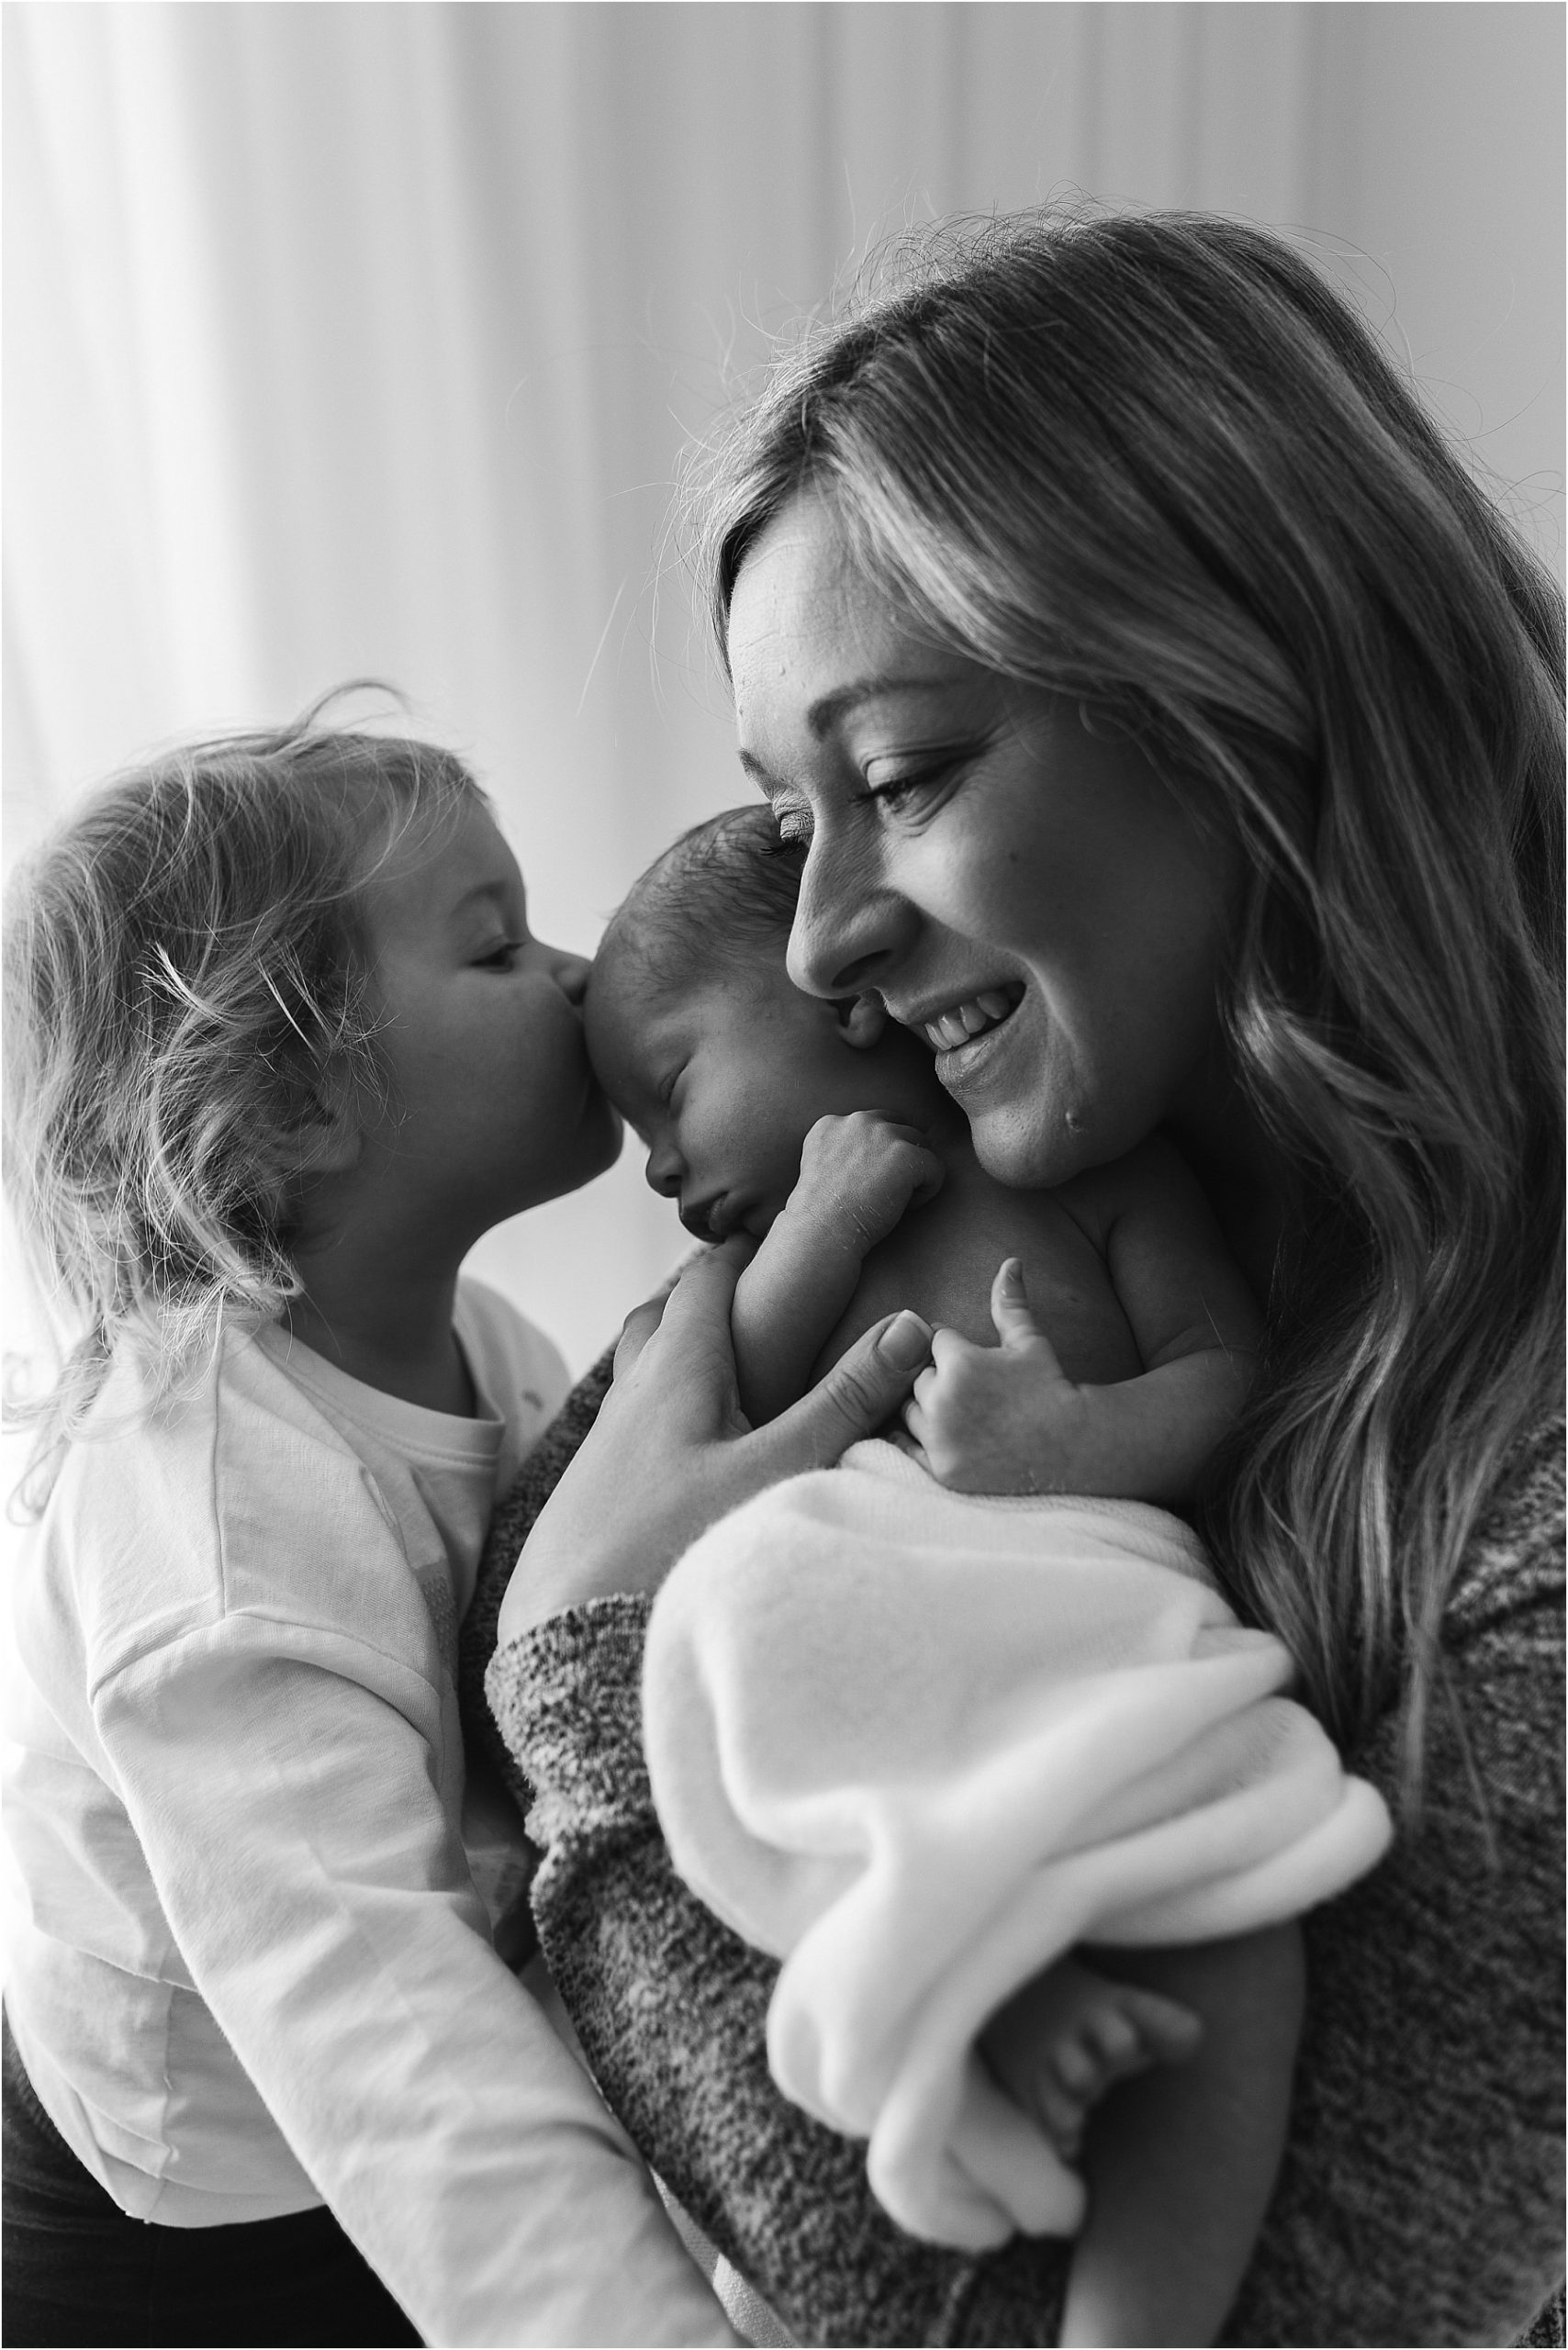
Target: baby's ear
pixel 862 1020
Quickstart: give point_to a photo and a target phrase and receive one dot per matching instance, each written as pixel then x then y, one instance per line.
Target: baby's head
pixel 255 967
pixel 707 1048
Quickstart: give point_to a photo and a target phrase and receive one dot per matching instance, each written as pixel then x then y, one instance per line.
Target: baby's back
pixel 942 1258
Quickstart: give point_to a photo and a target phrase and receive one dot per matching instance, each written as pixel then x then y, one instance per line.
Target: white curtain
pixel 362 339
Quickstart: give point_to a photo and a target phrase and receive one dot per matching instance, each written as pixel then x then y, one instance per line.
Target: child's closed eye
pixel 501 955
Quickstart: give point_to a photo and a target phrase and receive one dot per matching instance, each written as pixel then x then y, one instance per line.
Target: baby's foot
pixel 1071 2035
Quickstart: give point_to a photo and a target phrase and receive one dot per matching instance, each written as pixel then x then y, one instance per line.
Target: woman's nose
pixel 847 930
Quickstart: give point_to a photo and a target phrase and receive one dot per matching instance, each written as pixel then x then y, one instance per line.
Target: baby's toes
pixel 1062 2107
pixel 1077 2065
pixel 1118 2044
pixel 1146 2028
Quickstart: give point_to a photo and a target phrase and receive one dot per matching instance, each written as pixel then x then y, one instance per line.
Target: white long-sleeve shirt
pixel 249 1969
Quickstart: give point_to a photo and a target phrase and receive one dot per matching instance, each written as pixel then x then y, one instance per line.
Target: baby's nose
pixel 666 1169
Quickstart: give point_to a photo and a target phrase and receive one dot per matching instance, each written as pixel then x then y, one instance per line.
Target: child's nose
pixel 572 976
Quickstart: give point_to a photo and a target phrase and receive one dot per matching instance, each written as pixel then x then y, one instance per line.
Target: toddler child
pixel 280 1047
pixel 1127 1338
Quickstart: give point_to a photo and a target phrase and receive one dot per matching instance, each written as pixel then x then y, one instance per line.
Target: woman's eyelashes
pixel 893 793
pixel 916 788
pixel 886 785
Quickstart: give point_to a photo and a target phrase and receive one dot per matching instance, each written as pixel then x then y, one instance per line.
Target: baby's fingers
pixel 929 1181
pixel 1014 1317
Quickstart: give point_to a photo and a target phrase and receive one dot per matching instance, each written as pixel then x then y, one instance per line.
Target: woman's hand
pixel 671 1450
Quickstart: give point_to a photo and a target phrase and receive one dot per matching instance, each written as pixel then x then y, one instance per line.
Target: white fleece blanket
pixel 917 1744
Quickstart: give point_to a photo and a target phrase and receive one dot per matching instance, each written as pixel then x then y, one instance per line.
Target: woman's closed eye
pixel 907 786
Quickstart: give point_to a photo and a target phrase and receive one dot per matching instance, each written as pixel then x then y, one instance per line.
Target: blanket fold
pixel 917 1744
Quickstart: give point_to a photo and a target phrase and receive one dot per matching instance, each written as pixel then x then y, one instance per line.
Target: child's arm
pixel 858 1176
pixel 1181 2160
pixel 1005 1420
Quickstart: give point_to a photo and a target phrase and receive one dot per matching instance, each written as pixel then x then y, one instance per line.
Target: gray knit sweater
pixel 1420 2198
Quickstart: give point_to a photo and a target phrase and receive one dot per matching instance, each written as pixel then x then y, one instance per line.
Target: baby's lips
pixel 714 1218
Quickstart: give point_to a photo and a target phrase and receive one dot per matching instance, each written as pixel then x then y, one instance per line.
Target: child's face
pixel 724 1081
pixel 493 1105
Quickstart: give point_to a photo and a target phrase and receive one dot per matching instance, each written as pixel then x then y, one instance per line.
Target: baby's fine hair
pixel 188 1022
pixel 717 900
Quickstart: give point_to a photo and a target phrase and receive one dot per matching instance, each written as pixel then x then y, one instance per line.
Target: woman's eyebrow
pixel 824 713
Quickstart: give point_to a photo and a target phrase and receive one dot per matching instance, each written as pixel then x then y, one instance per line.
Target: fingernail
pixel 905 1342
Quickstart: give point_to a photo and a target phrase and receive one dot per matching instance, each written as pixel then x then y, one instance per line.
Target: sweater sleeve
pixel 509 1531
pixel 670 2008
pixel 1420 2198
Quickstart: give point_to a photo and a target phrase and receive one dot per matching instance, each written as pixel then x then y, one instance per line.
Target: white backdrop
pixel 344 339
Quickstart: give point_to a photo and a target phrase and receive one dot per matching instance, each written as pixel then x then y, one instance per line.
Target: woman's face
pixel 1028 895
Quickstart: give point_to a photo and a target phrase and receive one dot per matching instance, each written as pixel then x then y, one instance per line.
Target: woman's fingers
pixel 693 1319
pixel 701 1298
pixel 861 1392
pixel 636 1332
pixel 670 1452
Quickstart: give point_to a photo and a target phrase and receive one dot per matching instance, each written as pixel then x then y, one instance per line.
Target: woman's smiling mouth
pixel 959 1023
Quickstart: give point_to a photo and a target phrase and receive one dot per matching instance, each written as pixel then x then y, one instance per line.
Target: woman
pixel 1122 637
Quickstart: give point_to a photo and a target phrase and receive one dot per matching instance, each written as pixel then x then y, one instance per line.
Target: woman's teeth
pixel 962 1021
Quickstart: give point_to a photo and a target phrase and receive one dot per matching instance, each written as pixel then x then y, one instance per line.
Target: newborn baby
pixel 1108 1356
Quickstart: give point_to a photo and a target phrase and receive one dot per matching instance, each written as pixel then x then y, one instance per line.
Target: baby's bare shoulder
pixel 942 1258
pixel 1152 1180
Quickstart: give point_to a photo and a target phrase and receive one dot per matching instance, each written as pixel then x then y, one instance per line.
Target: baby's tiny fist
pixel 861 1171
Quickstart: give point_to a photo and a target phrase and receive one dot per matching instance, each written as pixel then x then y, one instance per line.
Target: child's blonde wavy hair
pixel 189 1023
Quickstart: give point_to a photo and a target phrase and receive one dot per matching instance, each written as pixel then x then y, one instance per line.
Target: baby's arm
pixel 1005 1420
pixel 858 1176
pixel 1181 2160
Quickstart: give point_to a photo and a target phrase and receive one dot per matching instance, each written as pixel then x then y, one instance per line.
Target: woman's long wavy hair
pixel 1155 463
pixel 188 1021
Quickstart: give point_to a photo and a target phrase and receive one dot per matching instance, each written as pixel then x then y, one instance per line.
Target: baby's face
pixel 723 1082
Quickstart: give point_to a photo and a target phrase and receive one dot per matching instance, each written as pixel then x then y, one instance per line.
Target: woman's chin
pixel 1027 1151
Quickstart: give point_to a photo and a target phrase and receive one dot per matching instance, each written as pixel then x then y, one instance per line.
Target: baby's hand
pixel 997 1419
pixel 858 1174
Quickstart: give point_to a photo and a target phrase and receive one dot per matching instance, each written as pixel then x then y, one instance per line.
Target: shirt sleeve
pixel 284 1794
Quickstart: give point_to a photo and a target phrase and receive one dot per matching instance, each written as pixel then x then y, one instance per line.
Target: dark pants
pixel 79 2272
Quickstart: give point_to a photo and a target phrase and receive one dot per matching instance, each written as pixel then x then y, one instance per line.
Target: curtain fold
pixel 347 340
